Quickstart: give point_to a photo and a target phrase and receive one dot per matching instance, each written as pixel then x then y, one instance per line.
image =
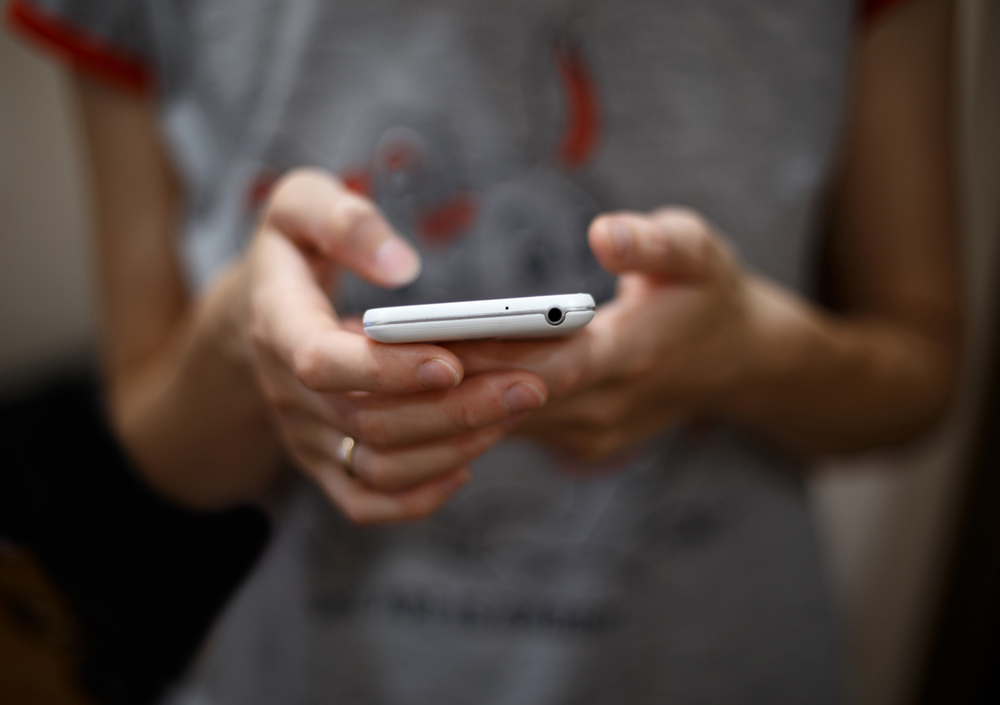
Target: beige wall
pixel 886 518
pixel 45 309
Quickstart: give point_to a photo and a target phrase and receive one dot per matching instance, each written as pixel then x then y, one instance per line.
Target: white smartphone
pixel 525 317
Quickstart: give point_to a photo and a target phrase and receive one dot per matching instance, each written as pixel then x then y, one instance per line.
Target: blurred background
pixel 913 550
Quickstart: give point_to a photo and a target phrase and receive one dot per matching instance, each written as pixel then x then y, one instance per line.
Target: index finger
pixel 317 212
pixel 296 324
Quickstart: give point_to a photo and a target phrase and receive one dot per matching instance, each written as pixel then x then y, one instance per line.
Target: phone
pixel 524 317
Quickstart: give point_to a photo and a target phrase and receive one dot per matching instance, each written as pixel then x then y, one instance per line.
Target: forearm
pixel 181 393
pixel 822 384
pixel 191 415
pixel 885 370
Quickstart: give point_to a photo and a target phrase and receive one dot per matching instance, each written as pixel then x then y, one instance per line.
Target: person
pixel 617 516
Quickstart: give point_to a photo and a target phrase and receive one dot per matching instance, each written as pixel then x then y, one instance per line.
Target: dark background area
pixel 137 581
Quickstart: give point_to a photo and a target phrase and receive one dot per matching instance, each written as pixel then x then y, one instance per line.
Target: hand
pixel 673 343
pixel 415 420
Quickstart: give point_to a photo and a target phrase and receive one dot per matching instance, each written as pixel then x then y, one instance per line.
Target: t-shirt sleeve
pixel 108 40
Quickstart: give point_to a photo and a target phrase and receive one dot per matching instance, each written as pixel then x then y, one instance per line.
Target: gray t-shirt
pixel 686 571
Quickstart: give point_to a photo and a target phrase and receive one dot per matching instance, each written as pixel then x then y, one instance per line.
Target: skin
pixel 212 396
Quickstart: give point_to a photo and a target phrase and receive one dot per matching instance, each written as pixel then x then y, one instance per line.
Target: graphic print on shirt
pixel 416 176
pixel 445 172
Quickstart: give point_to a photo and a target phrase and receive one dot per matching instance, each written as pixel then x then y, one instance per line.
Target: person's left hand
pixel 675 341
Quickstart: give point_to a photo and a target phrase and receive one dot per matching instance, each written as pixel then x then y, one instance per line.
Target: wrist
pixel 194 419
pixel 772 340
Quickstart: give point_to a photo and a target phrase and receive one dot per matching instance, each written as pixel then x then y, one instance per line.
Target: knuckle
pixel 378 368
pixel 727 256
pixel 261 353
pixel 289 184
pixel 568 378
pixel 368 426
pixel 685 223
pixel 352 216
pixel 686 218
pixel 282 188
pixel 475 444
pixel 704 247
pixel 378 473
pixel 466 417
pixel 307 365
pixel 419 507
pixel 357 513
pixel 351 424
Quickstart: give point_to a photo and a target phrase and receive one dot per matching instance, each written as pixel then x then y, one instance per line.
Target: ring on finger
pixel 345 455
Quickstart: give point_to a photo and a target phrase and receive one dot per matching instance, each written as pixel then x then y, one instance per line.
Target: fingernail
pixel 438 374
pixel 522 397
pixel 397 262
pixel 619 238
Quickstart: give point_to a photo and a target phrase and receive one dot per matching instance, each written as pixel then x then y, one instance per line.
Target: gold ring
pixel 345 455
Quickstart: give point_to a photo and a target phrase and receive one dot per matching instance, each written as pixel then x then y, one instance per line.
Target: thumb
pixel 316 212
pixel 672 243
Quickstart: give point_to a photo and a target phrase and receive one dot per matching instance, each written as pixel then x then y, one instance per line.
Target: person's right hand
pixel 415 420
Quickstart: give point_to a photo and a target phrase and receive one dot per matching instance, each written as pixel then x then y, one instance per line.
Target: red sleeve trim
pixel 870 9
pixel 80 49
